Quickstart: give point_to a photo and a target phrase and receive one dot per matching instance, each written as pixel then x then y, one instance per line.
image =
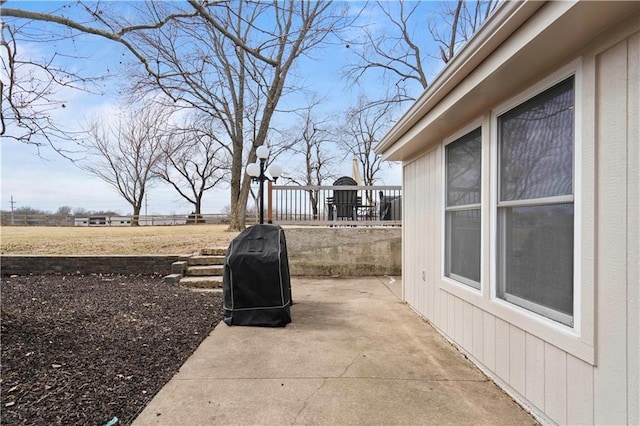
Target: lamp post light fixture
pixel 256 171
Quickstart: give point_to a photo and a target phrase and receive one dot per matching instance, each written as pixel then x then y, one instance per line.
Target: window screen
pixel 535 206
pixel 462 211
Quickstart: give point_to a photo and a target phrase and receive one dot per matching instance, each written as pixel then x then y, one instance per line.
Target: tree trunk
pixel 237 220
pixel 238 207
pixel 135 219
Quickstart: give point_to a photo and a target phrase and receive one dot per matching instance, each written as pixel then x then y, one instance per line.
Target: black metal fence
pixel 335 205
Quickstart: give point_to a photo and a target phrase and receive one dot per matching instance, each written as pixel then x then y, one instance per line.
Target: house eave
pixel 502 22
pixel 517 43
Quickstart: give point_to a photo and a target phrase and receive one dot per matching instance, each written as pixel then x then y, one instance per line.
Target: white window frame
pixel 532 202
pixel 457 280
pixel 578 340
pixel 572 69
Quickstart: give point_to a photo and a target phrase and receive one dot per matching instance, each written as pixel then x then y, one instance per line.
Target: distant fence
pixel 284 205
pixel 106 220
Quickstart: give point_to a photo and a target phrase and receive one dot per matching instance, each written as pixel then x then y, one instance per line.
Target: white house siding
pixel 633 240
pixel 556 385
pixel 422 179
pixel 617 210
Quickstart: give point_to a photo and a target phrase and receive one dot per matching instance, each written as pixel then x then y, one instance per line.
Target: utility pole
pixel 12 203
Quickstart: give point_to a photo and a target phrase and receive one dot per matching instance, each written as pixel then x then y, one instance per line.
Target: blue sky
pixel 48 181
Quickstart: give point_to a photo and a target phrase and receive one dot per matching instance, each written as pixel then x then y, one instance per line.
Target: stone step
pixel 206 260
pixel 215 270
pixel 206 290
pixel 173 278
pixel 214 251
pixel 201 282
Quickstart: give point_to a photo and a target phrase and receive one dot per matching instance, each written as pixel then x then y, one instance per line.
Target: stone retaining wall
pixel 134 264
pixel 312 251
pixel 344 251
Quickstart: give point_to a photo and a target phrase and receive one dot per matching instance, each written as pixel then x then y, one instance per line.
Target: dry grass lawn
pixel 112 240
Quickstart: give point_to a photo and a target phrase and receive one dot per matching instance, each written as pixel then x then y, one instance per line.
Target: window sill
pixel 563 337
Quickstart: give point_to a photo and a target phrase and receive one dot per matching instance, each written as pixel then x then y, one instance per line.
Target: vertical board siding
pixel 534 371
pixel 429 233
pixel 502 349
pixel 633 249
pixel 458 331
pixel 478 334
pixel 517 362
pixel 489 341
pixel 410 196
pixel 422 192
pixel 555 383
pixel 451 314
pixel 434 204
pixel 610 377
pixel 467 320
pixel 419 259
pixel 425 232
pixel 579 392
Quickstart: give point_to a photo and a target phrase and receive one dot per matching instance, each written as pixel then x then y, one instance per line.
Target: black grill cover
pixel 256 283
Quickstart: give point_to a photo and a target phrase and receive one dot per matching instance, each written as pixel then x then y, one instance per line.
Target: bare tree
pixel 312 140
pixel 364 126
pixel 64 211
pixel 201 68
pixel 124 154
pixel 193 162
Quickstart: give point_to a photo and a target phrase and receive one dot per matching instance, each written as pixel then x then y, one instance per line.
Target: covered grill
pixel 256 283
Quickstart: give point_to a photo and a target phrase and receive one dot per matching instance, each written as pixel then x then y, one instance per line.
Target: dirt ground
pixel 112 240
pixel 83 350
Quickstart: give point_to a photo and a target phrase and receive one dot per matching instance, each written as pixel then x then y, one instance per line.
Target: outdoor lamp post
pixel 256 171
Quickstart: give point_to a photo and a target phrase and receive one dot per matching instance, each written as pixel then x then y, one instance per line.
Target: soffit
pixel 544 37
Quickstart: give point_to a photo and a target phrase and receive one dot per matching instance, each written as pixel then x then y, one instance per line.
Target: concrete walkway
pixel 354 354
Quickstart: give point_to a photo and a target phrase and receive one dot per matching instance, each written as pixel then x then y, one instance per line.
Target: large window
pixel 462 211
pixel 535 204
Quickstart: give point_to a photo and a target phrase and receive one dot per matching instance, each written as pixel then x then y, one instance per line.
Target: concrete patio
pixel 354 354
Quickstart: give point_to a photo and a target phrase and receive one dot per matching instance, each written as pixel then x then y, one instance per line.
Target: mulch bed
pixel 87 349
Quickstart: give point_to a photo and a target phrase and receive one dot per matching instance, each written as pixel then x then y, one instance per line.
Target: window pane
pixel 536 258
pixel 536 146
pixel 463 240
pixel 463 170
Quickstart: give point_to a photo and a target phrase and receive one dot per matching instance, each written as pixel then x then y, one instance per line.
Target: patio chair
pixel 344 203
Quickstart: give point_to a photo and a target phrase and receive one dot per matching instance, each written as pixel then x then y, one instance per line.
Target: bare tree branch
pixel 363 127
pixel 236 40
pixel 311 139
pixel 397 51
